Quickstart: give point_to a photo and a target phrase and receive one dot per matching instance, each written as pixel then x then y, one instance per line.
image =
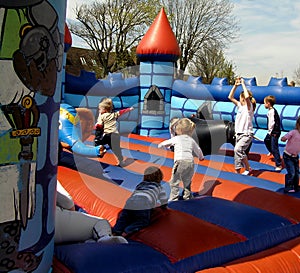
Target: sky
pixel 268 41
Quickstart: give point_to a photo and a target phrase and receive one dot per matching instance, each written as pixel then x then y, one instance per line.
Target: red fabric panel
pixel 58 267
pixel 160 38
pixel 96 196
pixel 179 235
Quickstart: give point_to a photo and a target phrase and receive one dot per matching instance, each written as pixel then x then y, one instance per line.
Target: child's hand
pixel 238 81
pixel 98 126
pixel 131 108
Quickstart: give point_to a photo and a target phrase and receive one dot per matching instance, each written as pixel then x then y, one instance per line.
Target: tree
pixel 112 28
pixel 210 62
pixel 297 75
pixel 197 24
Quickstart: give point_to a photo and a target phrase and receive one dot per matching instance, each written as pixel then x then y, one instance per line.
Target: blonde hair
pixel 185 126
pixel 252 99
pixel 106 104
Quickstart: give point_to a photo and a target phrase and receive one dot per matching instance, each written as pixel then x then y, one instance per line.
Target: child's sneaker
pixel 109 240
pixel 247 172
pixel 102 151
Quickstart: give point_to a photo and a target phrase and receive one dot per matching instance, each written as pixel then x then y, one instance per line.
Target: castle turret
pixel 157 51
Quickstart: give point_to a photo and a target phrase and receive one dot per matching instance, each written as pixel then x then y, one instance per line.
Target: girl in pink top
pixel 291 158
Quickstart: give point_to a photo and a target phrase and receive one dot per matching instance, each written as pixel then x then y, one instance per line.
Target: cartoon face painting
pixel 30 59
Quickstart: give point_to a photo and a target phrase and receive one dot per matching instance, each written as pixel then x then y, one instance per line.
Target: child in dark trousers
pixel 274 131
pixel 291 158
pixel 138 208
pixel 106 130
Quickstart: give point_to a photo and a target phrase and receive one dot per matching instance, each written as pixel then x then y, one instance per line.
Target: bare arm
pixel 232 92
pixel 246 93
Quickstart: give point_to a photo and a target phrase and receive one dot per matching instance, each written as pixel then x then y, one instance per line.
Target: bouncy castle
pixel 235 223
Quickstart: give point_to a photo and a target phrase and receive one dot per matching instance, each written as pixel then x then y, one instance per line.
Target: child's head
pixel 87 121
pixel 105 105
pixel 153 174
pixel 173 123
pixel 251 98
pixel 185 126
pixel 269 101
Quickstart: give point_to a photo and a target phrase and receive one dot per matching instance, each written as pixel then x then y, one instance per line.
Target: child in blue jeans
pixel 291 158
pixel 274 131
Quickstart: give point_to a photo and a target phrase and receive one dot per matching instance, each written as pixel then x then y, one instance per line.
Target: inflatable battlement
pixel 186 98
pixel 219 89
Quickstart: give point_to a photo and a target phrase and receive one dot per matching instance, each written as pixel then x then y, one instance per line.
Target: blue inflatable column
pixel 157 52
pixel 31 59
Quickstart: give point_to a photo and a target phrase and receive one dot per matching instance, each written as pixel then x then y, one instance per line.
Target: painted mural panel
pixel 31 55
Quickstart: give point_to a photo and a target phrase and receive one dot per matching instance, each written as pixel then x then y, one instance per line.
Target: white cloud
pixel 268 42
pixel 269 39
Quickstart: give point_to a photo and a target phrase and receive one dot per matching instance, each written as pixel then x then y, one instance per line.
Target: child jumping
pixel 106 129
pixel 274 131
pixel 291 158
pixel 243 125
pixel 147 195
pixel 183 169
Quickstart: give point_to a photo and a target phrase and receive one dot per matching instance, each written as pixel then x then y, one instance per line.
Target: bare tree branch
pixel 113 27
pixel 200 23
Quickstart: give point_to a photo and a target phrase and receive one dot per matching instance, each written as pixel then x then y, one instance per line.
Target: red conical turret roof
pixel 159 42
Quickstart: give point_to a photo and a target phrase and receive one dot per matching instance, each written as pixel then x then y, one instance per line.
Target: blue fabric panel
pixel 220 256
pixel 75 100
pixel 278 82
pixel 283 94
pixel 193 104
pixel 130 258
pixel 219 81
pixel 177 102
pixel 243 219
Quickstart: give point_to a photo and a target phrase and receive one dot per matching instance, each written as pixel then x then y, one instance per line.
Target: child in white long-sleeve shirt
pixel 184 147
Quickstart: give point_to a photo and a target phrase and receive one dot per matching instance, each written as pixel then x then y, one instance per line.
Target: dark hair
pixel 153 174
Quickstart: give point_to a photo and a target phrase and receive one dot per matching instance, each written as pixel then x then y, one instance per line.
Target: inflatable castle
pixel 234 223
